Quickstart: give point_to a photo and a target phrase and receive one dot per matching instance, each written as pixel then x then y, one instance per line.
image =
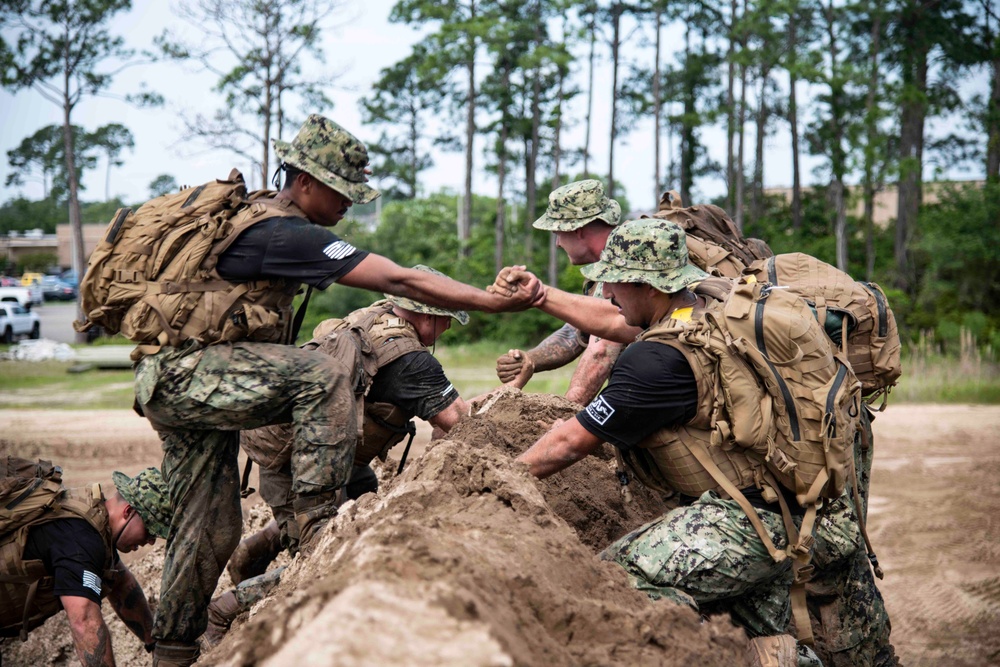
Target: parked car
pixel 54 289
pixel 16 320
pixel 69 277
pixel 31 277
pixel 33 281
pixel 8 281
pixel 16 294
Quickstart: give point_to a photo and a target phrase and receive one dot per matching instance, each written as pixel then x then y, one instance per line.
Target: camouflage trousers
pixel 848 614
pixel 198 399
pixel 708 555
pixel 276 490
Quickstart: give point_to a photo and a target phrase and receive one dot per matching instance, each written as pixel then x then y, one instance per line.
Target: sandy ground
pixel 933 522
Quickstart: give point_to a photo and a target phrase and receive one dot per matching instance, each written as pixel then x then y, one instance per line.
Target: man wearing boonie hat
pixel 704 554
pixel 200 395
pixel 406 381
pixel 581 216
pixel 73 550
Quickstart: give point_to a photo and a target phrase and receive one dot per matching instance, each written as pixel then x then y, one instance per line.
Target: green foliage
pixel 21 214
pixel 161 185
pixel 37 261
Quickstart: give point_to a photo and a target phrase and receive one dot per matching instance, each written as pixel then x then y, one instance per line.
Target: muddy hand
pixel 502 284
pixel 515 368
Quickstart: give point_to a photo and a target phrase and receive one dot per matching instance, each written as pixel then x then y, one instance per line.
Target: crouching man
pixel 67 559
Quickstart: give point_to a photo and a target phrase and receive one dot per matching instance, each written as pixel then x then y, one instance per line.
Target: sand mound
pixel 464 559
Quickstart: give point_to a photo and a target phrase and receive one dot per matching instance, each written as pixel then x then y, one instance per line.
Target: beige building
pixel 886 201
pixel 16 245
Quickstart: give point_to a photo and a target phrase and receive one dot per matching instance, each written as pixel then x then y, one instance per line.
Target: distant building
pixel 16 245
pixel 886 200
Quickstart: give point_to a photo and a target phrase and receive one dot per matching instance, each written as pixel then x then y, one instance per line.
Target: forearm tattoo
pixel 558 349
pixel 102 648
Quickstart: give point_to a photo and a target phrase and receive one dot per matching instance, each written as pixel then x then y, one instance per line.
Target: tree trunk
pixel 411 179
pixel 731 109
pixel 616 22
pixel 465 220
pixel 531 168
pixel 840 221
pixel 498 228
pixel 741 119
pixel 757 195
pixel 871 132
pixel 911 141
pixel 657 112
pixel 75 223
pixel 993 112
pixel 687 127
pixel 590 95
pixel 838 159
pixel 556 175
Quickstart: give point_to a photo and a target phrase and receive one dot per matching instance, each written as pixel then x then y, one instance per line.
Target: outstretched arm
pixel 91 637
pixel 129 602
pixel 560 448
pixel 593 369
pixel 380 274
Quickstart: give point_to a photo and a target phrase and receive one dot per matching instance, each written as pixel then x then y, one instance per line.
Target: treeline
pixel 855 84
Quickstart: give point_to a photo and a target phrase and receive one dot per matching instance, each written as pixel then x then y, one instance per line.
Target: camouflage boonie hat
pixel 574 205
pixel 418 307
pixel 650 251
pixel 332 155
pixel 147 493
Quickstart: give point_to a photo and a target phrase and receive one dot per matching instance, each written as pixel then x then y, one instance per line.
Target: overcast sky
pixel 364 44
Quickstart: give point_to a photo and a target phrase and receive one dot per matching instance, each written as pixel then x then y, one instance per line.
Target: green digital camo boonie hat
pixel 574 205
pixel 418 307
pixel 649 251
pixel 147 493
pixel 332 155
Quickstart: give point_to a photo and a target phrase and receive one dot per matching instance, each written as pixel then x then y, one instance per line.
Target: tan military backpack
pixel 868 335
pixel 714 243
pixel 152 277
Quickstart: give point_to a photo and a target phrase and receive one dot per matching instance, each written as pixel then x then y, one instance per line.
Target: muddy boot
pixel 777 651
pixel 311 514
pixel 175 654
pixel 255 553
pixel 222 611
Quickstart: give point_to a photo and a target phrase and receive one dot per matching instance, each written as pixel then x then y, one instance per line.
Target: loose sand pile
pixel 463 559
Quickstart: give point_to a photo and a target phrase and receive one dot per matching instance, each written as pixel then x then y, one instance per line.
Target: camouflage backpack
pixel 152 277
pixel 856 315
pixel 714 243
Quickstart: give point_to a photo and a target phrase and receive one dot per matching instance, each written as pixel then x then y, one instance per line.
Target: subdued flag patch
pixel 339 250
pixel 92 581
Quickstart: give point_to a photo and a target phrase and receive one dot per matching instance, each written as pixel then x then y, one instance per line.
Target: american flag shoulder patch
pixel 339 250
pixel 92 581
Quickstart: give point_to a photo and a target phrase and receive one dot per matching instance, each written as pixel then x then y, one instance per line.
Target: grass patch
pixel 927 378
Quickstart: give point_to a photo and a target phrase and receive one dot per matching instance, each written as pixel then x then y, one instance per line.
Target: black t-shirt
pixel 651 387
pixel 72 552
pixel 292 248
pixel 416 383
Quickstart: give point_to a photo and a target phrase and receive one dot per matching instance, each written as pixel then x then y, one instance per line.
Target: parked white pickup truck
pixel 19 295
pixel 15 320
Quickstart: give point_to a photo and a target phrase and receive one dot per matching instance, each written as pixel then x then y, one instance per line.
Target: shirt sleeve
pixel 72 552
pixel 416 383
pixel 289 248
pixel 651 387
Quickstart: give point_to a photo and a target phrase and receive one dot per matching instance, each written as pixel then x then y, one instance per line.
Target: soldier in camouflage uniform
pixel 706 553
pixel 199 397
pixel 581 216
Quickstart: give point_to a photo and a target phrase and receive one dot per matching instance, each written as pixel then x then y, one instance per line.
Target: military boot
pixel 222 611
pixel 175 654
pixel 255 553
pixel 312 512
pixel 777 651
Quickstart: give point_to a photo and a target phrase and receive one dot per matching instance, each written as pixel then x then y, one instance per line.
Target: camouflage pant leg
pixel 709 553
pixel 276 490
pixel 849 618
pixel 202 475
pixel 255 589
pixel 247 385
